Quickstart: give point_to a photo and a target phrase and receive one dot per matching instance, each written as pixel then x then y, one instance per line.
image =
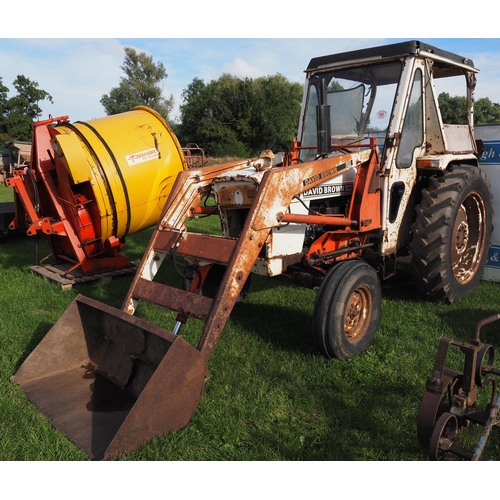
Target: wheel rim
pixel 444 434
pixel 469 233
pixel 357 314
pixel 434 405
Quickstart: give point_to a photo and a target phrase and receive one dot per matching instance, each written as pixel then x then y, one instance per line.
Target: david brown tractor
pixel 336 211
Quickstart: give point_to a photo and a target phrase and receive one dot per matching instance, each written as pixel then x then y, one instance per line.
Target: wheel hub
pixel 468 238
pixel 357 313
pixel 462 232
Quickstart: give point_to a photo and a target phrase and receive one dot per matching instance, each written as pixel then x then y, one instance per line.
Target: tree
pixel 240 117
pixel 3 95
pixel 335 86
pixel 276 111
pixel 18 112
pixel 216 115
pixel 454 110
pixel 3 117
pixel 141 86
pixel 486 111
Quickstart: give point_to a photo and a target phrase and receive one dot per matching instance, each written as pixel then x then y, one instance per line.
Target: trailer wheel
pixel 347 310
pixel 451 233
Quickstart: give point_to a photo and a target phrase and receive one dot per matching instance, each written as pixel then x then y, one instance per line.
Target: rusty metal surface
pixel 172 298
pixel 267 208
pixel 202 246
pixel 111 382
pixel 469 235
pixel 433 405
pixel 194 155
pixel 450 402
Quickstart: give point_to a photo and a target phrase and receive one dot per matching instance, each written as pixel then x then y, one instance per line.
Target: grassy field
pixel 270 394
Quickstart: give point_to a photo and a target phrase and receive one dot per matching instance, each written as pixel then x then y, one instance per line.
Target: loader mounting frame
pixel 279 185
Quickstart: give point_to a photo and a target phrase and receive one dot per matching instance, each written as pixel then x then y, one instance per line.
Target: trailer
pixel 16 154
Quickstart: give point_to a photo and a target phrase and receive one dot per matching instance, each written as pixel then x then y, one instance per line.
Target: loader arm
pixel 277 188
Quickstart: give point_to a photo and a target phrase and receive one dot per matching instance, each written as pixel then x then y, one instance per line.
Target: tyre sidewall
pixel 341 345
pixel 322 305
pixel 476 185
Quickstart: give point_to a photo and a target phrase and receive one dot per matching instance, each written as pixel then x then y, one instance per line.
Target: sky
pixel 77 65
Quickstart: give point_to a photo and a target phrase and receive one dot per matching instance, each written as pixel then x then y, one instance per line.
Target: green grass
pixel 270 394
pixel 6 194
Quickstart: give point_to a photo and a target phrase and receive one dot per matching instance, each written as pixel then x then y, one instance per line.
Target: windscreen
pixel 360 99
pixel 346 111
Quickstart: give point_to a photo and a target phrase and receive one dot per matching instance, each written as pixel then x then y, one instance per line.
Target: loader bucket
pixel 110 381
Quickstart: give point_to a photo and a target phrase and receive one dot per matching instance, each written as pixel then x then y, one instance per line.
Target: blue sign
pixel 494 257
pixel 491 153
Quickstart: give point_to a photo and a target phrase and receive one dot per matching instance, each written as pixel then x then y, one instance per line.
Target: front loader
pixel 334 212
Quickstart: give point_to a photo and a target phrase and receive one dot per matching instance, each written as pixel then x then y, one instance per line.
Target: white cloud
pixel 242 69
pixel 76 73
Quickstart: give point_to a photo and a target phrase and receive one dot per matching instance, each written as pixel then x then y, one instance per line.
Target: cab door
pixel 404 144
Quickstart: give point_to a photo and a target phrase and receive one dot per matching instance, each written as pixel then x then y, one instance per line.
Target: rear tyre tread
pixel 433 232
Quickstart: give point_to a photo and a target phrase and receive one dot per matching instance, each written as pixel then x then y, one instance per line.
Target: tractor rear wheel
pixel 451 233
pixel 347 309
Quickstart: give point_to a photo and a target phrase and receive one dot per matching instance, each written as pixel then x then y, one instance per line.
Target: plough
pixel 450 403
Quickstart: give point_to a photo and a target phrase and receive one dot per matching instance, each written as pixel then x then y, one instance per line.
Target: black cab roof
pixel 392 51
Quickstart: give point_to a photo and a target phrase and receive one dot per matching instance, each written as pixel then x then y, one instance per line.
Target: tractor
pixel 373 176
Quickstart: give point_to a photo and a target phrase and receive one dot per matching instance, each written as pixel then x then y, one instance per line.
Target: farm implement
pixel 450 404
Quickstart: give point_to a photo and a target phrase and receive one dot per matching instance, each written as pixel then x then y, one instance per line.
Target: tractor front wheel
pixel 347 309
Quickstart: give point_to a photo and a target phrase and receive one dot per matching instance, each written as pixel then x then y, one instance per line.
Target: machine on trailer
pixel 195 156
pixel 17 155
pixel 450 403
pixel 91 184
pixel 336 211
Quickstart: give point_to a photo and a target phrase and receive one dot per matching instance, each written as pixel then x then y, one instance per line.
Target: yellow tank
pixel 131 160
